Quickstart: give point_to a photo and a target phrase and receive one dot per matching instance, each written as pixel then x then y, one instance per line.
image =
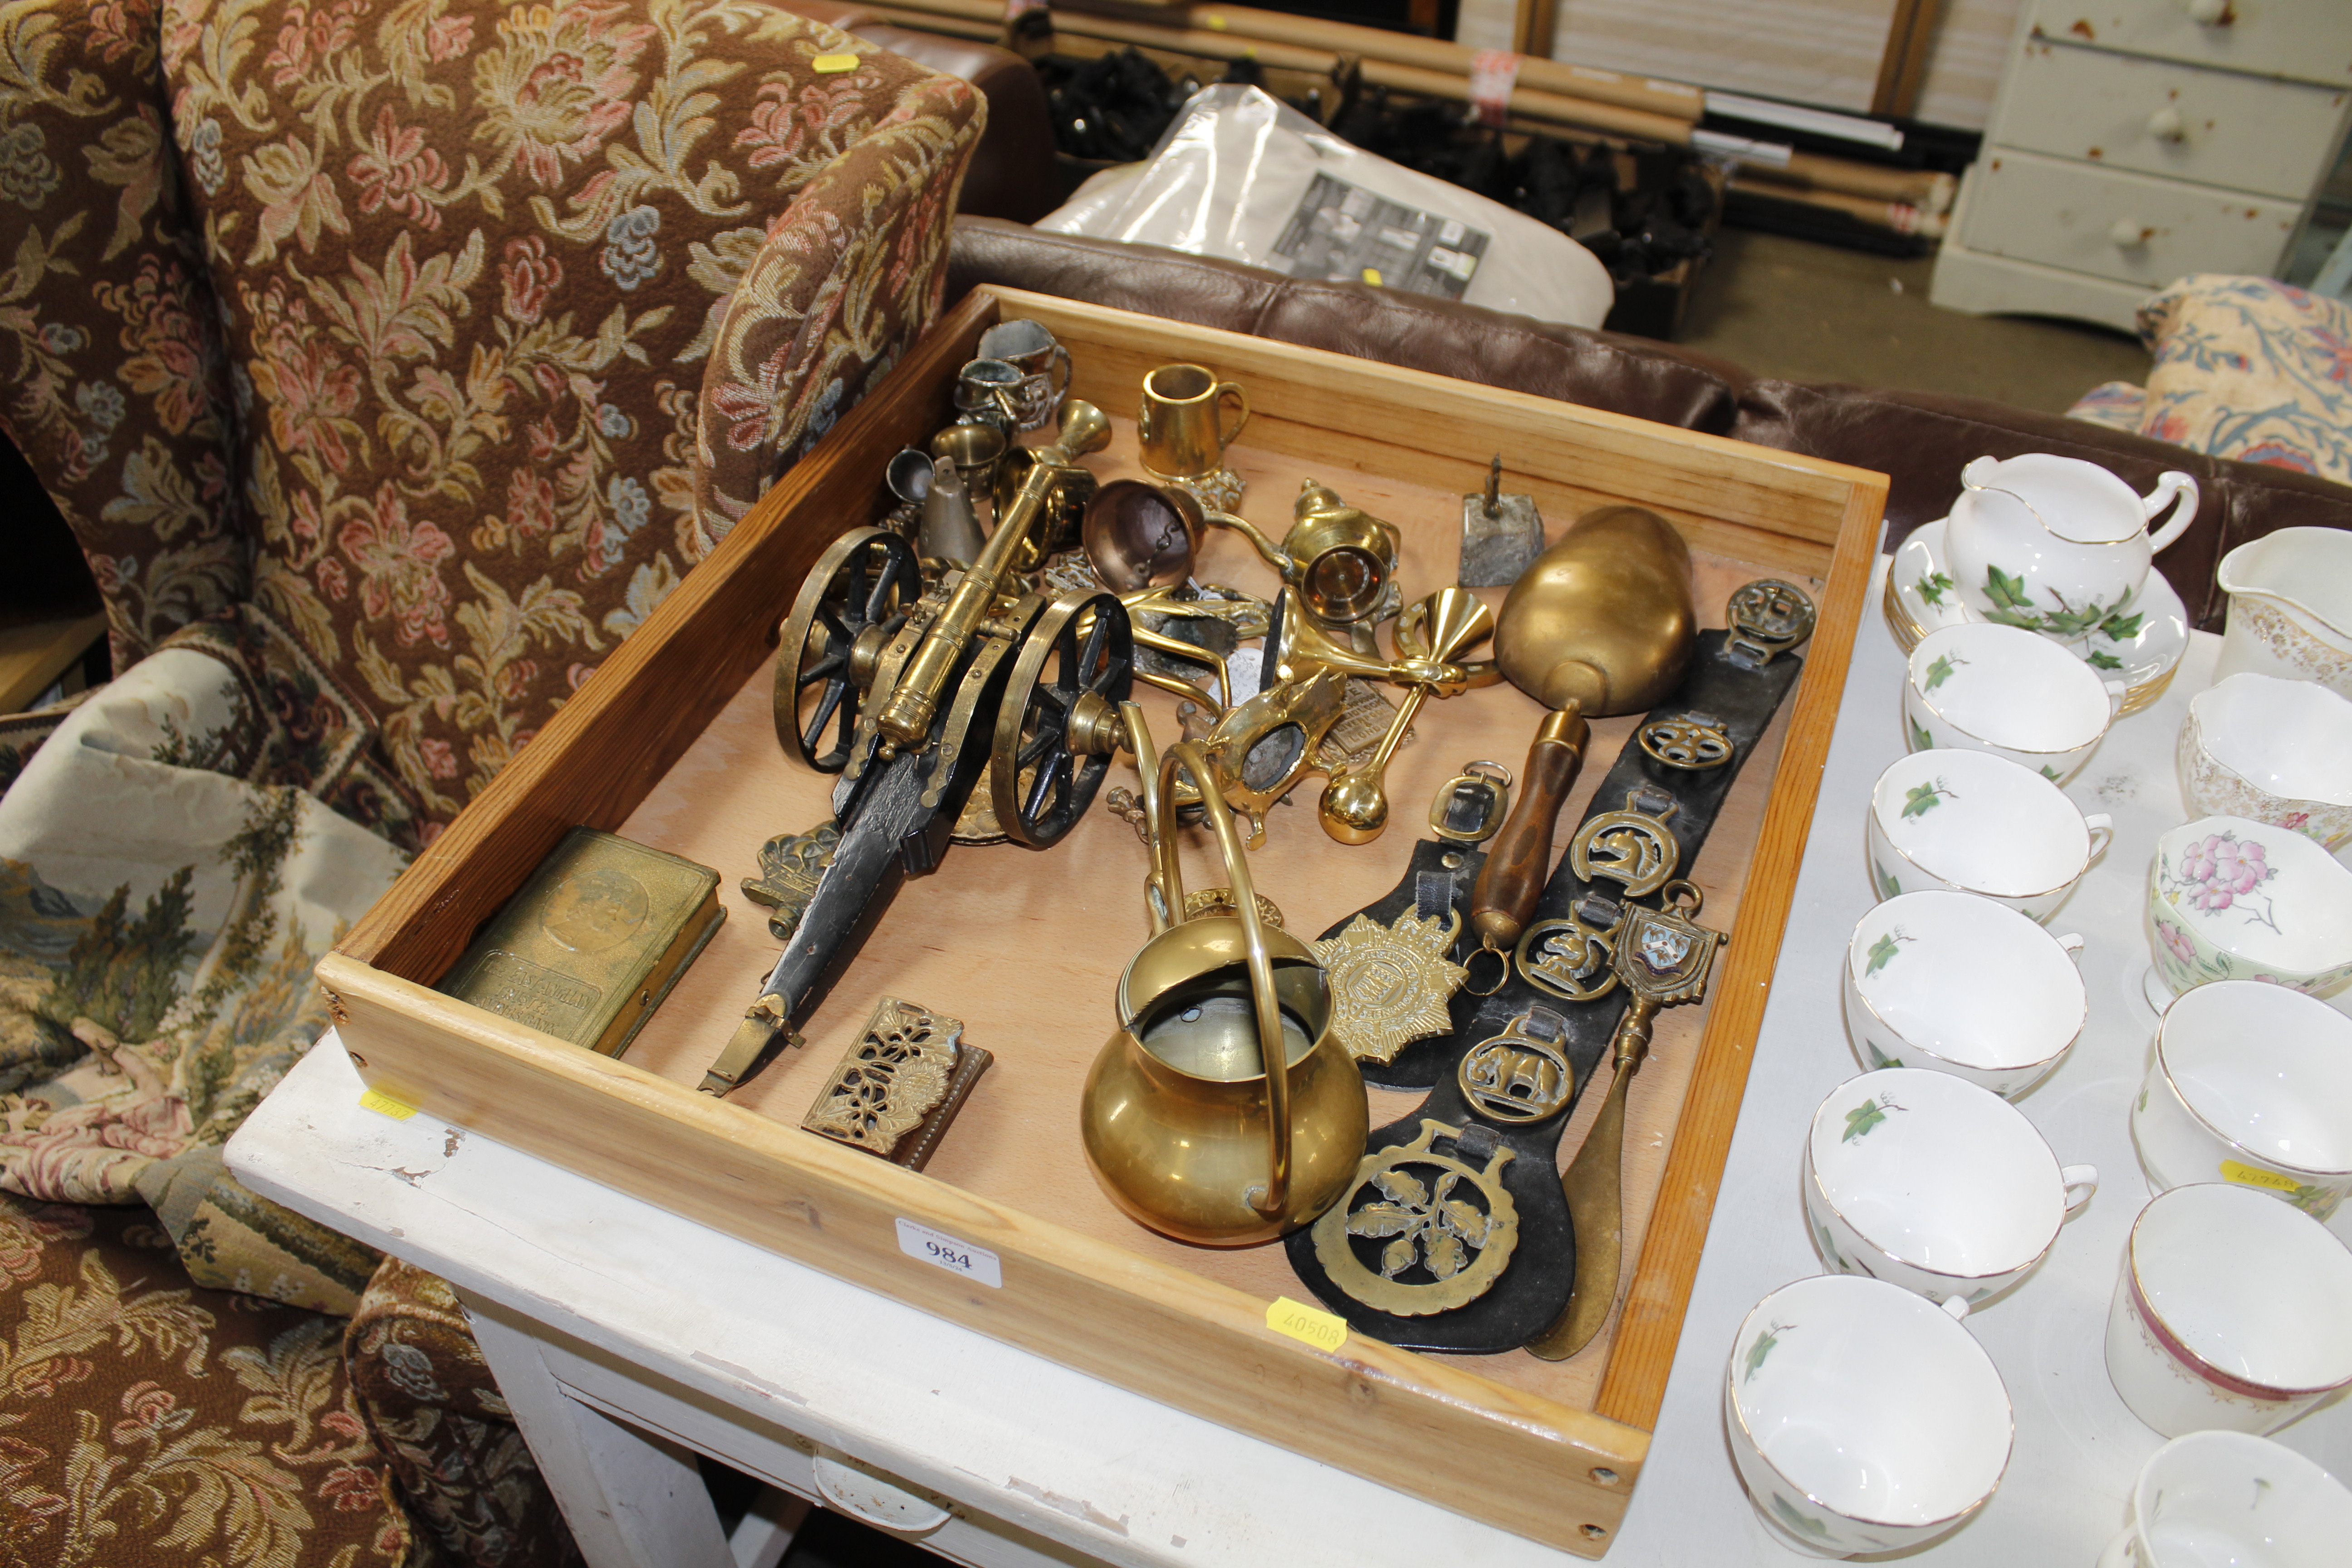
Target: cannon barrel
pixel 906 718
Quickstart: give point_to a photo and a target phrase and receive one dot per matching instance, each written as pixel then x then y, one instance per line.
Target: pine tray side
pixel 1438 1430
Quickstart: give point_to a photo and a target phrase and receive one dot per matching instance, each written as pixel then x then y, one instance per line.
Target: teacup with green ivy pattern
pixel 1975 823
pixel 1932 1183
pixel 1957 983
pixel 1863 1418
pixel 1998 690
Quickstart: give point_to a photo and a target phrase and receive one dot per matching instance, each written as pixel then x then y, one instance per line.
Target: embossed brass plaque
pixel 592 943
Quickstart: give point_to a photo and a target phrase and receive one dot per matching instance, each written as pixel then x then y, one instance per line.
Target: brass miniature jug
pixel 1184 1127
pixel 1603 618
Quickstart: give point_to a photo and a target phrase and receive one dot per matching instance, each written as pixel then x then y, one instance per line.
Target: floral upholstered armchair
pixel 390 360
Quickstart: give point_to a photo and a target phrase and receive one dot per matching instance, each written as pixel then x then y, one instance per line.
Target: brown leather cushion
pixel 1919 440
pixel 1629 376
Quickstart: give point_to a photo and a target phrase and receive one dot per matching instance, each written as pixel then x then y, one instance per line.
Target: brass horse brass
pixel 1443 1249
pixel 1632 846
pixel 1521 1075
pixel 1695 742
pixel 1390 984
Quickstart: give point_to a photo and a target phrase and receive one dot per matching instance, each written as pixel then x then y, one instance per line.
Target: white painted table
pixel 624 1337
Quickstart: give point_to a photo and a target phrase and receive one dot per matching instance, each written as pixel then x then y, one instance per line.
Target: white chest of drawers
pixel 2137 140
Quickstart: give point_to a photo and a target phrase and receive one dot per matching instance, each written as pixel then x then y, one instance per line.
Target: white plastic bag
pixel 1243 176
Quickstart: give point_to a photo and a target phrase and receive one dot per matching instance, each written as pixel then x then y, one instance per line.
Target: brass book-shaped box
pixel 592 943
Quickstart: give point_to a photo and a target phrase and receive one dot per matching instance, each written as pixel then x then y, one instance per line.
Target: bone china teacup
pixel 2250 1083
pixel 1963 985
pixel 2226 1497
pixel 2277 751
pixel 1862 1417
pixel 2233 900
pixel 2230 1311
pixel 1976 823
pixel 1934 1184
pixel 2010 692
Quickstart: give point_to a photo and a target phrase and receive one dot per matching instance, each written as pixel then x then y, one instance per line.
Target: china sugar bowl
pixel 1975 823
pixel 2011 692
pixel 2233 900
pixel 1964 985
pixel 2271 751
pixel 2253 1083
pixel 2230 1311
pixel 1934 1184
pixel 1863 1418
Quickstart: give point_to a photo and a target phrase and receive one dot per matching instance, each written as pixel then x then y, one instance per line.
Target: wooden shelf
pixel 34 655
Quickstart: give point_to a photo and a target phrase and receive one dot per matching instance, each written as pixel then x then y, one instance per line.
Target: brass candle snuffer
pixel 1223 1112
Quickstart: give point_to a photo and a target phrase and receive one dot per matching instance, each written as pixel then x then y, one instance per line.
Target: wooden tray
pixel 671 743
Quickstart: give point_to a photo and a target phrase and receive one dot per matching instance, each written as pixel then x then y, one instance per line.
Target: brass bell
pixel 1183 1125
pixel 1603 618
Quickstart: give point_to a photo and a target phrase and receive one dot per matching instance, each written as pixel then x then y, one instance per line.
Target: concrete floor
pixel 1799 311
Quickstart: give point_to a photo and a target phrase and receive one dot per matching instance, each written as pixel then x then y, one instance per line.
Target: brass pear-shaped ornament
pixel 1603 618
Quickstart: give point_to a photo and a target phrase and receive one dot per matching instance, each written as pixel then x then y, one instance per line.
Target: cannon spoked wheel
pixel 1058 725
pixel 855 599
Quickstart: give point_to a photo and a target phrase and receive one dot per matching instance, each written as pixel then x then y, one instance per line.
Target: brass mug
pixel 1183 1125
pixel 1030 349
pixel 1182 425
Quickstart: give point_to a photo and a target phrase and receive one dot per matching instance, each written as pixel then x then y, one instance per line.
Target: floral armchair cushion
pixel 143 1422
pixel 2245 367
pixel 403 351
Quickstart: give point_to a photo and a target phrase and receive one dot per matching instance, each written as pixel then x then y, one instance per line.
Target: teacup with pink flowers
pixel 2228 898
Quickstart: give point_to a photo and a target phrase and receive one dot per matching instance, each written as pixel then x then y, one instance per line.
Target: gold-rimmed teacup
pixel 2013 693
pixel 2231 1312
pixel 1960 985
pixel 2251 1084
pixel 1975 823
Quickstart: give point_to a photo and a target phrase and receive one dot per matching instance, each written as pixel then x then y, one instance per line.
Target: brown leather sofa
pixel 1918 439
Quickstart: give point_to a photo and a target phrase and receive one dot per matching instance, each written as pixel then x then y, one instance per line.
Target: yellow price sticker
pixel 382 1104
pixel 832 65
pixel 1216 22
pixel 2255 1176
pixel 1371 275
pixel 1309 1324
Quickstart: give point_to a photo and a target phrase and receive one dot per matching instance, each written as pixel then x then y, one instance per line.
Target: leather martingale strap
pixel 1494 1076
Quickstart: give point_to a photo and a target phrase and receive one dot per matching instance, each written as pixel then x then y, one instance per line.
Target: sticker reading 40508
pixel 940 1250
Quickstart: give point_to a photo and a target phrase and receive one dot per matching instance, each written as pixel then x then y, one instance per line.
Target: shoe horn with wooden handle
pixel 1519 857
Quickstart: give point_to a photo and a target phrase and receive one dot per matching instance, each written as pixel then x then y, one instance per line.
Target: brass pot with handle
pixel 1183 1125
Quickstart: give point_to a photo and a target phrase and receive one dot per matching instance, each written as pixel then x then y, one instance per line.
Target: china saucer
pixel 1920 599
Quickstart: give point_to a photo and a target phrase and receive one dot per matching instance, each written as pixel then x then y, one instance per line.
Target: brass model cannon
pixel 919 700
